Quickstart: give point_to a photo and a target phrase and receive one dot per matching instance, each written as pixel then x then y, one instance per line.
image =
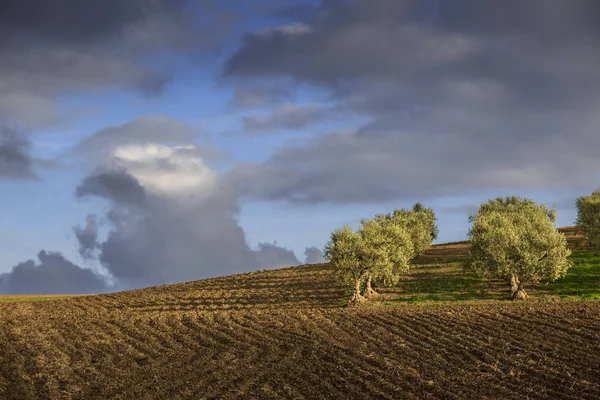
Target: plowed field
pixel 284 334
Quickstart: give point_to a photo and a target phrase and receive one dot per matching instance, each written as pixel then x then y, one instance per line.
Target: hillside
pixel 285 334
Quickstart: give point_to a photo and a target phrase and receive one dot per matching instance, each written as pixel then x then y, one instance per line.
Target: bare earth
pixel 285 334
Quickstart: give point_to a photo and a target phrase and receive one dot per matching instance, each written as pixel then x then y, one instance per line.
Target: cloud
pixel 87 237
pixel 313 255
pixel 53 274
pixel 172 170
pixel 460 96
pixel 51 48
pixel 30 109
pixel 117 185
pixel 171 219
pixel 288 116
pixel 269 256
pixel 140 130
pixel 462 209
pixel 15 160
pixel 257 95
pixel 156 131
pixel 297 11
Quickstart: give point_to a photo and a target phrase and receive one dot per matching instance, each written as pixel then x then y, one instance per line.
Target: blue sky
pixel 280 122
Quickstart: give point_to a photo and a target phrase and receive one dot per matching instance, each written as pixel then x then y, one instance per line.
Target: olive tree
pixel 388 249
pixel 588 217
pixel 345 251
pixel 378 250
pixel 420 222
pixel 429 219
pixel 515 239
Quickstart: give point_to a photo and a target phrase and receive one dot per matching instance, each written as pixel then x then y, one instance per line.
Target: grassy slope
pixel 439 277
pixel 442 280
pixel 282 334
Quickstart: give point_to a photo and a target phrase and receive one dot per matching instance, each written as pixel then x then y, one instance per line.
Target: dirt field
pixel 19 298
pixel 453 352
pixel 283 334
pixel 271 335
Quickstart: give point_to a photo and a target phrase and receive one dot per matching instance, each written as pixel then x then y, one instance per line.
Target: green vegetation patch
pixel 582 281
pixel 442 283
pixel 449 282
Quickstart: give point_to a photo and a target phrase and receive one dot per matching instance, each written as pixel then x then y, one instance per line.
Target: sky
pixel 145 142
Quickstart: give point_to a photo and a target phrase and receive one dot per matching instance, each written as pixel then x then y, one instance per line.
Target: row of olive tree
pixel 512 238
pixel 381 250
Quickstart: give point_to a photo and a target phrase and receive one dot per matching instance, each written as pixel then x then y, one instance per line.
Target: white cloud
pixel 173 171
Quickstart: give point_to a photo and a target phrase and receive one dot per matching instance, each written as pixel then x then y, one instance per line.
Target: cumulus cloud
pixel 52 274
pixel 269 255
pixel 15 160
pixel 171 218
pixel 173 170
pixel 313 255
pixel 460 95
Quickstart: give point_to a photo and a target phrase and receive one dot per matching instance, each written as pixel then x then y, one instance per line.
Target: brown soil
pixel 283 334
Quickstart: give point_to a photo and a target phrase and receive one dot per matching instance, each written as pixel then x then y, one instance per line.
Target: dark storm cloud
pixel 15 161
pixel 298 11
pixel 270 256
pixel 49 48
pixel 73 20
pixel 313 255
pixel 52 274
pixel 166 244
pixel 169 242
pixel 87 237
pixel 113 184
pixel 461 95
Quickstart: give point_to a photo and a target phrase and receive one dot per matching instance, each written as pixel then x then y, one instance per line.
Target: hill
pixel 285 334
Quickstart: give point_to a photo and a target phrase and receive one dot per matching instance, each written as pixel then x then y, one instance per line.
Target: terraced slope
pixel 282 334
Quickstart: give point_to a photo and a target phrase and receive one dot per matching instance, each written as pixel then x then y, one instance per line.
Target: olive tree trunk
pixel 514 284
pixel 356 297
pixel 369 292
pixel 520 293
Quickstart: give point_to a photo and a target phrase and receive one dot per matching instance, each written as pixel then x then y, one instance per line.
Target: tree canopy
pixel 515 239
pixel 380 250
pixel 588 217
pixel 345 253
pixel 420 222
pixel 388 251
